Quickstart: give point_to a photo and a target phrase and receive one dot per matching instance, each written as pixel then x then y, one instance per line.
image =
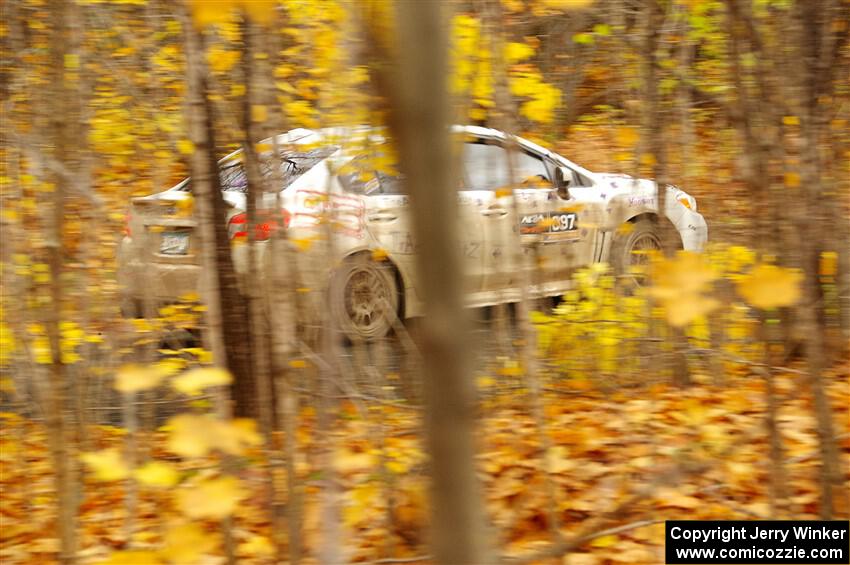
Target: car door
pixel 577 213
pixel 509 241
pixel 543 227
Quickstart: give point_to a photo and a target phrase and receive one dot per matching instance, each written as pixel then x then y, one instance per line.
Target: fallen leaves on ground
pixel 603 448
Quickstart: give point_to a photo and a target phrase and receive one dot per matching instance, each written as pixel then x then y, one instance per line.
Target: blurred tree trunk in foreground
pixel 766 109
pixel 227 315
pixel 817 47
pixel 414 81
pixel 60 136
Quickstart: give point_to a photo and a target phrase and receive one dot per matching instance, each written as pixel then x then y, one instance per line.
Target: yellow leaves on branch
pixel 195 381
pixel 211 498
pixel 543 97
pixel 211 12
pixel 107 464
pixel 195 436
pixel 769 286
pixel 678 285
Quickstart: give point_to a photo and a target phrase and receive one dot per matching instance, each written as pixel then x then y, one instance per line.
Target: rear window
pixel 370 174
pixel 292 164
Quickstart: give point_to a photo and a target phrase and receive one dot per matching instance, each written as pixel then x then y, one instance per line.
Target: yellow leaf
pixel 259 113
pixel 769 286
pixel 379 254
pixel 185 207
pixel 686 274
pixel 187 542
pixel 298 364
pixel 627 136
pixel 157 474
pixel 558 460
pixel 133 378
pixel 234 436
pixel 206 13
pixel 261 11
pixel 604 541
pixel 211 498
pixel 72 61
pixel 133 557
pixel 256 546
pixel 647 159
pixel 185 147
pixel 567 4
pixel 791 120
pixel 222 60
pixel 626 228
pixel 515 52
pixel 792 179
pixel 107 464
pixel 191 435
pixel 302 244
pixel 578 207
pixel 195 381
pixel 347 461
pixel 828 264
pixel 477 114
pixel 684 310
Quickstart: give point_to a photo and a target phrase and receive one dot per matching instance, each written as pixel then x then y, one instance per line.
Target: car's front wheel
pixel 631 248
pixel 364 298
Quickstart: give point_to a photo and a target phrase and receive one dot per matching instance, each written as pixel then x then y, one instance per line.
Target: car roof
pixel 305 136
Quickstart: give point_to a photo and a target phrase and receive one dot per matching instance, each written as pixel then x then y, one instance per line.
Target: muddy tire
pixel 630 249
pixel 364 298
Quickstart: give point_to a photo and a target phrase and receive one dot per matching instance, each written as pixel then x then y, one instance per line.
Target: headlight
pixel 687 201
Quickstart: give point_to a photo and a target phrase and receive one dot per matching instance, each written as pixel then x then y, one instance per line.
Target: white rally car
pixel 565 217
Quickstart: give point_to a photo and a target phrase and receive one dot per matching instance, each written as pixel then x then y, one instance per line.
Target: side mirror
pixel 563 181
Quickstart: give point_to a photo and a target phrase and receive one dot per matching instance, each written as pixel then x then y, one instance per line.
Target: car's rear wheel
pixel 632 248
pixel 364 298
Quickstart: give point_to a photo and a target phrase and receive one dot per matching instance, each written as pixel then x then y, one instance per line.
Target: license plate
pixel 174 243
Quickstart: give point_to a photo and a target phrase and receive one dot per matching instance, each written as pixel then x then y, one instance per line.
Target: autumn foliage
pixel 707 385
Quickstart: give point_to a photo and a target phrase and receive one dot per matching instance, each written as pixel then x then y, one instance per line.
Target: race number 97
pixel 563 222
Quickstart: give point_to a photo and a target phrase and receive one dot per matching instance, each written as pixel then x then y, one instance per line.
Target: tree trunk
pixel 227 316
pixel 655 144
pixel 57 392
pixel 419 116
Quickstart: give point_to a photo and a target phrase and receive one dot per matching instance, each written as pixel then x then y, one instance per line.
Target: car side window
pixel 485 167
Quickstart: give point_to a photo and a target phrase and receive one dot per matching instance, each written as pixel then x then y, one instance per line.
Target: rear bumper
pixel 160 282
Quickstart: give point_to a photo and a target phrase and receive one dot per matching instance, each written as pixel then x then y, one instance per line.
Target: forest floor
pixel 619 462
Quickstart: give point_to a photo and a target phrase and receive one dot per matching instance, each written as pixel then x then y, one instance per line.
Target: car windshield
pixel 293 164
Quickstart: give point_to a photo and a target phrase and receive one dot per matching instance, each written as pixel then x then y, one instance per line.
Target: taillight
pixel 263 230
